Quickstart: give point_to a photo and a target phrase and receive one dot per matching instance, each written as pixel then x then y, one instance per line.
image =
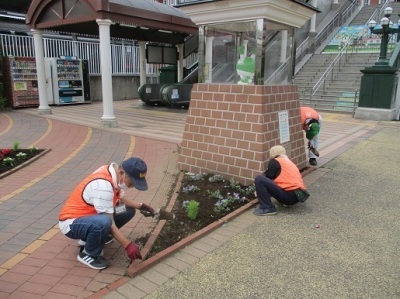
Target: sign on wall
pixel 284 135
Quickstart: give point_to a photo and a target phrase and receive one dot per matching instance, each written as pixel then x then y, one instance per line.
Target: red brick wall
pixel 230 128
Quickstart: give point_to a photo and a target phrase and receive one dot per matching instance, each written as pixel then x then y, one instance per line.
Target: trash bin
pixel 168 74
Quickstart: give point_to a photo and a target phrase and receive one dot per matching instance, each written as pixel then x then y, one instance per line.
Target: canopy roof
pixel 132 19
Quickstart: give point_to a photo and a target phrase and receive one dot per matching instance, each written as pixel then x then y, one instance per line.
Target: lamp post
pixel 385 28
pixel 378 84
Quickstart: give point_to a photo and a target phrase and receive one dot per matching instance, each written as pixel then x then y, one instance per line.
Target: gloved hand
pixel 146 210
pixel 308 145
pixel 132 251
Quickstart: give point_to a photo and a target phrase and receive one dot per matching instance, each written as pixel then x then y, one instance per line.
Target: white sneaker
pixel 94 263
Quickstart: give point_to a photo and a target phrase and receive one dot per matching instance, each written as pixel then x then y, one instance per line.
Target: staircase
pixel 339 87
pixel 339 90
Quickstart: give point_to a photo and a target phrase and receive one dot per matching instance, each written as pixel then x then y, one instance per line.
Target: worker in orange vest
pixel 97 209
pixel 311 122
pixel 282 180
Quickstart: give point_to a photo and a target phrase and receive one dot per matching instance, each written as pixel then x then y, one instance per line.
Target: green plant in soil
pixel 16 145
pixel 192 209
pixel 216 198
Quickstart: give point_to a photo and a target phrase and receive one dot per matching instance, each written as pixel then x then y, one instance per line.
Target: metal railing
pixel 346 103
pixel 339 19
pixel 125 57
pixel 337 61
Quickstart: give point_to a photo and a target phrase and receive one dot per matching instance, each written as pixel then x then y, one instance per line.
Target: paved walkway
pixel 36 260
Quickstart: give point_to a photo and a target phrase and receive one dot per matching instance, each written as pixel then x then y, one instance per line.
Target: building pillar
pixel 108 119
pixel 284 46
pixel 143 63
pixel 208 60
pixel 44 107
pixel 180 62
pixel 313 19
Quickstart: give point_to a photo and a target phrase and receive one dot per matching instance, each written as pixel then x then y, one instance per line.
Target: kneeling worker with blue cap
pixel 311 122
pixel 97 209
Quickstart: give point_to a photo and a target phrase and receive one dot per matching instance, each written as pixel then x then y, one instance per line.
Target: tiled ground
pixel 36 260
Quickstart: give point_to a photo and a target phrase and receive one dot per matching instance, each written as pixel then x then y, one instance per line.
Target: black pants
pixel 266 188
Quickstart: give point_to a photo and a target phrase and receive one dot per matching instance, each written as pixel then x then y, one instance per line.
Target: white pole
pixel 108 119
pixel 180 62
pixel 284 46
pixel 44 107
pixel 313 18
pixel 208 59
pixel 142 69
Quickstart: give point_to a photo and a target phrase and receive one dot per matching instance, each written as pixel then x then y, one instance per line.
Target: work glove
pixel 308 145
pixel 146 210
pixel 132 251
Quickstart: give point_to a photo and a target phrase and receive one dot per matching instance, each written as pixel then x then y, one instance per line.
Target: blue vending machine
pixel 70 81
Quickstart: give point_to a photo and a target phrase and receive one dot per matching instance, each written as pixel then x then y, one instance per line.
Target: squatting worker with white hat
pixel 97 208
pixel 282 180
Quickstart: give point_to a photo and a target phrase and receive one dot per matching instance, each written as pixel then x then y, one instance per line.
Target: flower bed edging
pixel 7 173
pixel 139 266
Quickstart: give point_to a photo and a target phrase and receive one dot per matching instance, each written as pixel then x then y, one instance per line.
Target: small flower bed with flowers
pixel 12 158
pixel 201 200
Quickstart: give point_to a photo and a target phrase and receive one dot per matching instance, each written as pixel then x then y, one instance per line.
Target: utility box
pixel 378 88
pixel 168 74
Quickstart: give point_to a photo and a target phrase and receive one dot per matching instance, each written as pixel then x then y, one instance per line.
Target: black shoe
pixel 313 161
pixel 264 212
pixel 94 263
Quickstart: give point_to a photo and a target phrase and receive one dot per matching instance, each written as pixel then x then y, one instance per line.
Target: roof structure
pixel 132 19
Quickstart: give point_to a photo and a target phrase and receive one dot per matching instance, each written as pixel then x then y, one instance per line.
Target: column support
pixel 44 107
pixel 108 119
pixel 143 62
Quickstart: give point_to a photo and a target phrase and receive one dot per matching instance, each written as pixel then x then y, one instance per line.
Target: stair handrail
pixel 394 59
pixel 339 19
pixel 328 29
pixel 331 67
pixel 304 45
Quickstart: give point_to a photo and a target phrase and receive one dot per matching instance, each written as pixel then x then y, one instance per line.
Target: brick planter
pixel 230 129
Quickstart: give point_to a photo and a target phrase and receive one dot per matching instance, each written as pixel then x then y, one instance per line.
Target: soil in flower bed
pixel 17 162
pixel 182 226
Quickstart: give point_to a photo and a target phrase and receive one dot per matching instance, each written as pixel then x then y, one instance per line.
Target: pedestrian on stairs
pixel 311 122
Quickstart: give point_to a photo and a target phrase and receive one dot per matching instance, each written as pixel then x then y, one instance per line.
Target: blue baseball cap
pixel 136 169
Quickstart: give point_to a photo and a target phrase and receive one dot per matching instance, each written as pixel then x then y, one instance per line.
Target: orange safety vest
pixel 76 206
pixel 307 113
pixel 290 177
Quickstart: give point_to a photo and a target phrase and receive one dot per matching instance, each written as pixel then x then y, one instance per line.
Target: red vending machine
pixel 20 82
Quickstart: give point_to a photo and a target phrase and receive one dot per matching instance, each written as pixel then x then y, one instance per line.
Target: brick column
pixel 230 129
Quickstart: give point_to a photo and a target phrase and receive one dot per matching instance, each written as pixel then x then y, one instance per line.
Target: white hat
pixel 276 151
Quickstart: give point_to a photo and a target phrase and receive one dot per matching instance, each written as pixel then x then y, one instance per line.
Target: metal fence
pixel 125 57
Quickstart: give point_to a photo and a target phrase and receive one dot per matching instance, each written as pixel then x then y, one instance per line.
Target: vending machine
pixel 67 81
pixel 20 82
